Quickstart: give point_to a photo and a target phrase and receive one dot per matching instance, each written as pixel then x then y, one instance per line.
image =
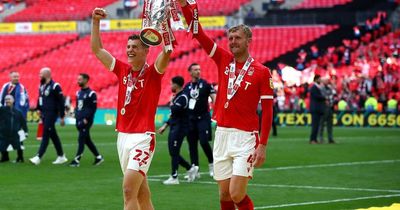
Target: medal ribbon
pixel 233 85
pixel 131 84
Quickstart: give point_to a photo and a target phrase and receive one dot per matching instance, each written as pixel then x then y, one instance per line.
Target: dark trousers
pixel 20 154
pixel 175 138
pixel 200 129
pixel 327 119
pixel 49 132
pixel 85 139
pixel 315 121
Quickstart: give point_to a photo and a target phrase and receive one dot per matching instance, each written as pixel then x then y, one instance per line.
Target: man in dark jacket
pixel 51 106
pixel 317 108
pixel 21 103
pixel 199 91
pixel 11 121
pixel 179 123
pixel 329 91
pixel 86 105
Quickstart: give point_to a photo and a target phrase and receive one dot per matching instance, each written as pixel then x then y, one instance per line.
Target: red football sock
pixel 246 204
pixel 227 205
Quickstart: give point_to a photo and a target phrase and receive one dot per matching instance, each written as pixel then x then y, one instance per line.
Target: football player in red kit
pixel 243 83
pixel 139 87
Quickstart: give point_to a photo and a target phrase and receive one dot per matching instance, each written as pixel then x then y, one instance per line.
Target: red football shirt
pixel 256 85
pixel 140 112
pixel 242 110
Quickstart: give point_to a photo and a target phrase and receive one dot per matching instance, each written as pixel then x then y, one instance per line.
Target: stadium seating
pixel 220 7
pixel 17 48
pixel 52 10
pixel 310 4
pixel 266 46
pixel 68 61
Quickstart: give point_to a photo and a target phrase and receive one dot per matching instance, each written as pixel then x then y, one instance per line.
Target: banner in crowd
pixel 347 119
pixel 7 27
pixel 128 24
pixel 28 27
pixel 55 26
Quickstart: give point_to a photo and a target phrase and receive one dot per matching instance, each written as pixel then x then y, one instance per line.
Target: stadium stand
pixel 264 49
pixel 221 7
pixel 18 48
pixel 70 59
pixel 39 10
pixel 367 66
pixel 310 4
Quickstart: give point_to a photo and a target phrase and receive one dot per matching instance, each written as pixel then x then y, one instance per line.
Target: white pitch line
pixel 327 201
pixel 309 166
pixel 330 165
pixel 293 186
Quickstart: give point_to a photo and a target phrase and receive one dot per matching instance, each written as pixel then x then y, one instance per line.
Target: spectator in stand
pixel 314 52
pixel 371 104
pixel 364 88
pixel 301 60
pixel 392 105
pixel 251 13
pixel 357 32
pixel 342 105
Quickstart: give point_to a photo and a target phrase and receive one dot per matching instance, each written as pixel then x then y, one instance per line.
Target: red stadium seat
pixel 60 10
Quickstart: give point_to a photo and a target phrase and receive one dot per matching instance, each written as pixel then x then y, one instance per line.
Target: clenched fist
pixel 99 13
pixel 182 2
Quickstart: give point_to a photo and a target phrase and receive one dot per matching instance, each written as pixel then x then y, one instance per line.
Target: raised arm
pixel 162 61
pixel 206 42
pixel 95 42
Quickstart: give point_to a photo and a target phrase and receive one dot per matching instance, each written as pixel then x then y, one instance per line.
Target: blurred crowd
pixel 363 71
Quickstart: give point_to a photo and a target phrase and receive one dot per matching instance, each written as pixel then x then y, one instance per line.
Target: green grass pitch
pixel 362 170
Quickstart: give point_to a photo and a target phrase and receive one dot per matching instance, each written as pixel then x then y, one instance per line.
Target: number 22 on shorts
pixel 141 157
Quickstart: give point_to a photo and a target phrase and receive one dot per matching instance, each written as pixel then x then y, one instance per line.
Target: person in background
pixel 86 105
pixel 343 105
pixel 317 108
pixel 371 104
pixel 392 105
pixel 329 91
pixel 199 91
pixel 179 123
pixel 21 103
pixel 50 106
pixel 11 122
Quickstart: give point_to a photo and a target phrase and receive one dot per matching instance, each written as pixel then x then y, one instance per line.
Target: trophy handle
pixel 150 36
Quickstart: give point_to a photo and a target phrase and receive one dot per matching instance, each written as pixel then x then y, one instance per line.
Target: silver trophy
pixel 156 24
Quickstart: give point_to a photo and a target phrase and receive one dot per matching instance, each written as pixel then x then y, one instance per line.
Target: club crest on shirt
pixel 250 72
pixel 47 91
pixel 271 84
pixel 124 80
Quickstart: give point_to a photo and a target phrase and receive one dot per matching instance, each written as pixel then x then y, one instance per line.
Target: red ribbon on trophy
pixel 194 25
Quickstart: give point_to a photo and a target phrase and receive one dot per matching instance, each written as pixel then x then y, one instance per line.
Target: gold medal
pixel 226 105
pixel 123 111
